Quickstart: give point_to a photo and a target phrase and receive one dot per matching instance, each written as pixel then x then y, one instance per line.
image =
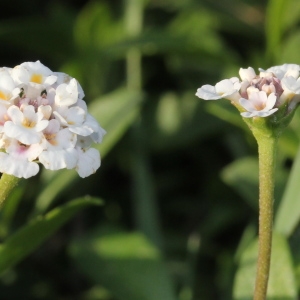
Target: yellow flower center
pixel 37 78
pixel 50 137
pixel 28 123
pixel 3 96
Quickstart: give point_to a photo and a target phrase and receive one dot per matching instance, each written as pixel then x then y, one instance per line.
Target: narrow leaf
pixel 288 214
pixel 32 235
pixel 274 26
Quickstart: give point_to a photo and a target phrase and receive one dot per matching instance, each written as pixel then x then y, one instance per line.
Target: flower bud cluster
pixel 258 95
pixel 44 119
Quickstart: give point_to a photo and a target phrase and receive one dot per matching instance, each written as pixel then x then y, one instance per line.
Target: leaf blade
pixel 30 236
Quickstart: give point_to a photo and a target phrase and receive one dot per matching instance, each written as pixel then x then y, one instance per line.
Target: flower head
pixel 276 89
pixel 42 118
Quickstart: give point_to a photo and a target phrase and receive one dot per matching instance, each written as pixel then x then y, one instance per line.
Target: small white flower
pixel 75 119
pixel 284 70
pixel 59 145
pixel 7 86
pixel 88 162
pixel 65 78
pixel 258 105
pixel 33 72
pixel 67 94
pixel 18 161
pixel 25 125
pixel 226 88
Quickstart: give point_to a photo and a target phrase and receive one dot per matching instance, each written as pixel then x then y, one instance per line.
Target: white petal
pixel 226 87
pixel 208 92
pixel 266 113
pixel 271 101
pixel 67 94
pixel 15 114
pixel 247 104
pixel 17 168
pixel 259 99
pixel 247 114
pixel 88 162
pixel 66 139
pixel 59 159
pixel 46 111
pixel 83 130
pixel 291 84
pixel 247 74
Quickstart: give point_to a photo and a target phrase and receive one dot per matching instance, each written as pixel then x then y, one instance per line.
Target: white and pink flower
pixel 44 119
pixel 260 95
pixel 19 159
pixel 259 104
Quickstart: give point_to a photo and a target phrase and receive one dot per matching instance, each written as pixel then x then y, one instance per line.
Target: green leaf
pixel 226 112
pixel 281 282
pixel 289 52
pixel 32 235
pixel 288 214
pixel 274 26
pixel 126 264
pixel 242 175
pixel 115 112
pixel 99 27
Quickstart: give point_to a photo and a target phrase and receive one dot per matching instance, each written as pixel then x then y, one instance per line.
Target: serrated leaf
pixel 30 236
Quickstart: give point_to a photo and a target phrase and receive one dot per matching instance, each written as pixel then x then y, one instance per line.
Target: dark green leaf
pixel 127 264
pixel 30 236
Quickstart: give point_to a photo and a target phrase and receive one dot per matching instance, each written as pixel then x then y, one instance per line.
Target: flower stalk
pixel 7 184
pixel 267 153
pixel 267 102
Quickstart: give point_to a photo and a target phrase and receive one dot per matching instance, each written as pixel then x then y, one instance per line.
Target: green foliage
pixel 178 174
pixel 281 282
pixel 133 271
pixel 30 236
pixel 288 215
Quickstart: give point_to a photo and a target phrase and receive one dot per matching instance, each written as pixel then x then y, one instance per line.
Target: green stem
pixel 267 152
pixel 7 184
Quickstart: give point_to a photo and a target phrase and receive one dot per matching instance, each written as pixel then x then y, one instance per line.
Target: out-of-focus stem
pixel 134 24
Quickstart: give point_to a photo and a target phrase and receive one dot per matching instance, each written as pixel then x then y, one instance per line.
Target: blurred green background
pixel 179 174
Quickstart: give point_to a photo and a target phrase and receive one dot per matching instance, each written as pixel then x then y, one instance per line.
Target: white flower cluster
pixel 258 95
pixel 44 119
